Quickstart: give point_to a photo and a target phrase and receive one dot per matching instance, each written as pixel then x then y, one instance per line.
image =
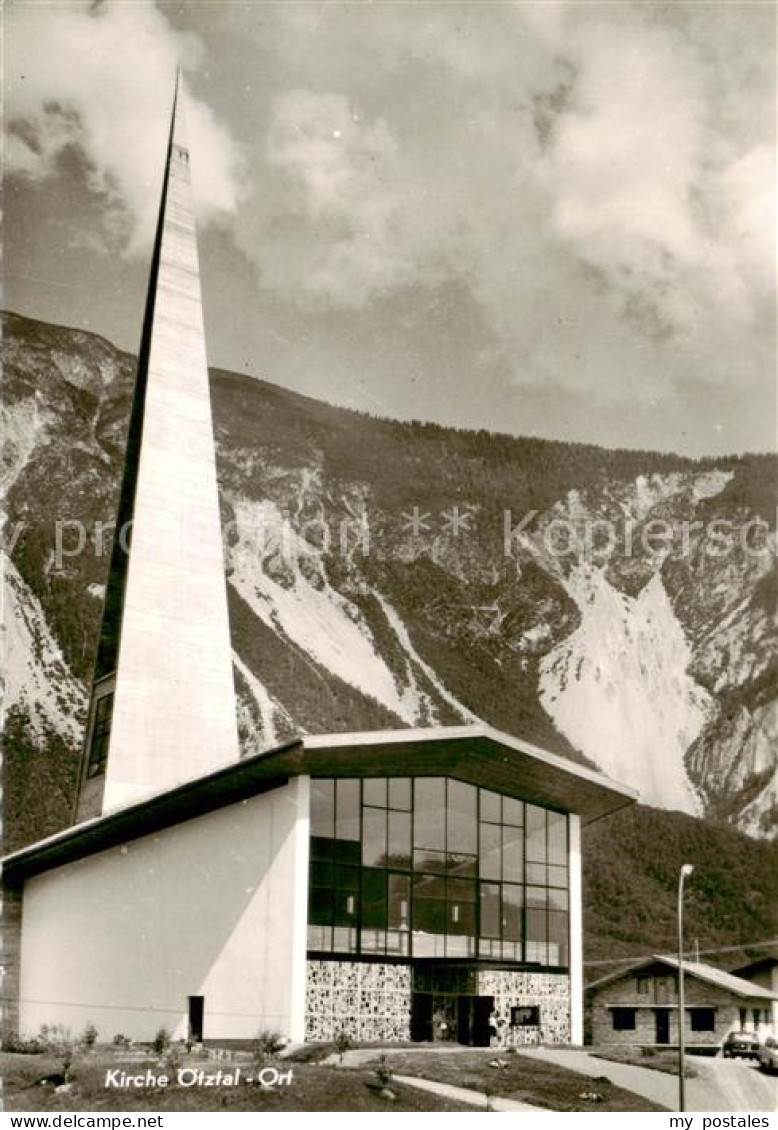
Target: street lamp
pixel 686 870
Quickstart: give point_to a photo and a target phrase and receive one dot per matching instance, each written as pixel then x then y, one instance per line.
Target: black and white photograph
pixel 390 617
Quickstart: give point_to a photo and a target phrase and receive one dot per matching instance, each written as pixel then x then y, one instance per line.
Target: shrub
pixel 89 1036
pixel 383 1074
pixel 58 1041
pixel 121 1041
pixel 13 1042
pixel 266 1042
pixel 161 1041
pixel 173 1056
pixel 342 1043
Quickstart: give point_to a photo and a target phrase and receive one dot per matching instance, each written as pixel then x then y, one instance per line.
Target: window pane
pixel 557 937
pixel 460 890
pixel 322 847
pixel 346 878
pixel 703 1020
pixel 400 839
pixel 374 898
pixel 460 945
pixel 344 940
pixel 319 938
pixel 511 912
pixel 489 866
pixel 462 827
pixel 429 886
pixel 399 901
pixel 400 793
pixel 397 942
pixel 557 838
pixel 536 873
pixel 490 910
pixel 322 808
pixel 512 811
pixel 624 1019
pixel 537 896
pixel 345 908
pixel 425 860
pixel 429 812
pixel 513 854
pixel 372 941
pixel 464 865
pixel 536 936
pixel 101 730
pixel 320 907
pixel 321 874
pixel 347 810
pixel 536 834
pixel 374 791
pixel 460 917
pixel 557 876
pixel 428 916
pixel 557 900
pixel 374 837
pixel 525 1016
pixel 346 851
pixel 491 806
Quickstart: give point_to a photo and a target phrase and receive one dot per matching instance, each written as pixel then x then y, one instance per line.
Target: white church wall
pixel 205 908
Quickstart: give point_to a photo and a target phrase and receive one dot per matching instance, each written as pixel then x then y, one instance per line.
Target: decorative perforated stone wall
pixel 367 1000
pixel 549 991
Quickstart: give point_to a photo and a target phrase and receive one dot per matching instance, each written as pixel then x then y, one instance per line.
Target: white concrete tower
pixel 163 703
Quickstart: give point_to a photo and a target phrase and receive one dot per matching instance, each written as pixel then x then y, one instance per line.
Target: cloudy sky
pixel 546 218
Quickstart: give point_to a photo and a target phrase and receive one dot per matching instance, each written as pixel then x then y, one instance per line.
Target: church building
pixel 407 884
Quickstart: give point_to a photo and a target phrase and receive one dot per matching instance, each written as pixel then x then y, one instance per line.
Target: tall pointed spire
pixel 163 702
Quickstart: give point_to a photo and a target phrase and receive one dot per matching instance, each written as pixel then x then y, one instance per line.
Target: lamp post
pixel 686 870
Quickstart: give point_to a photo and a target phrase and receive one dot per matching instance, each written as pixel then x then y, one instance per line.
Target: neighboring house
pixel 639 1005
pixel 764 973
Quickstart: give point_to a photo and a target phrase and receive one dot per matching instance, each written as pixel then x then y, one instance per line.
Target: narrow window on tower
pixel 101 731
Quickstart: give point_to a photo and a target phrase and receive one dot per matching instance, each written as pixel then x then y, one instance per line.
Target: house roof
pixel 474 753
pixel 761 965
pixel 708 973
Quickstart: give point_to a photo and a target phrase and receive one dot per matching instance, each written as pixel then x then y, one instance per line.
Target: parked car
pixel 768 1055
pixel 744 1044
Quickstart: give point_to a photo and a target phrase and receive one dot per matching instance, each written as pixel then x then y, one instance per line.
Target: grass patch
pixel 313 1087
pixel 655 1061
pixel 523 1079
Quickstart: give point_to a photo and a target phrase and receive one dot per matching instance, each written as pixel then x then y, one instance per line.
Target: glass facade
pixel 430 867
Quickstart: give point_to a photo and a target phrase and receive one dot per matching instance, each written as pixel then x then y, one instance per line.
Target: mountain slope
pixel 387 574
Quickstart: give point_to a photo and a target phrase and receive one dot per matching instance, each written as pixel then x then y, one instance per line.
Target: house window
pixel 525 1016
pixel 703 1019
pixel 643 985
pixel 623 1019
pixel 101 732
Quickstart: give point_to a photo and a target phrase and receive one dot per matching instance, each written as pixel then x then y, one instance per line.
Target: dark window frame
pixel 525 1016
pixel 100 737
pixel 702 1019
pixel 624 1018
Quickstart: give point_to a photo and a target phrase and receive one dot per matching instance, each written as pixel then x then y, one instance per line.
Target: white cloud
pixel 100 78
pixel 580 167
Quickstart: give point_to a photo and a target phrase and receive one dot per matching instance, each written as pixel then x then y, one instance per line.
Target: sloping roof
pixel 708 973
pixel 761 965
pixel 475 753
